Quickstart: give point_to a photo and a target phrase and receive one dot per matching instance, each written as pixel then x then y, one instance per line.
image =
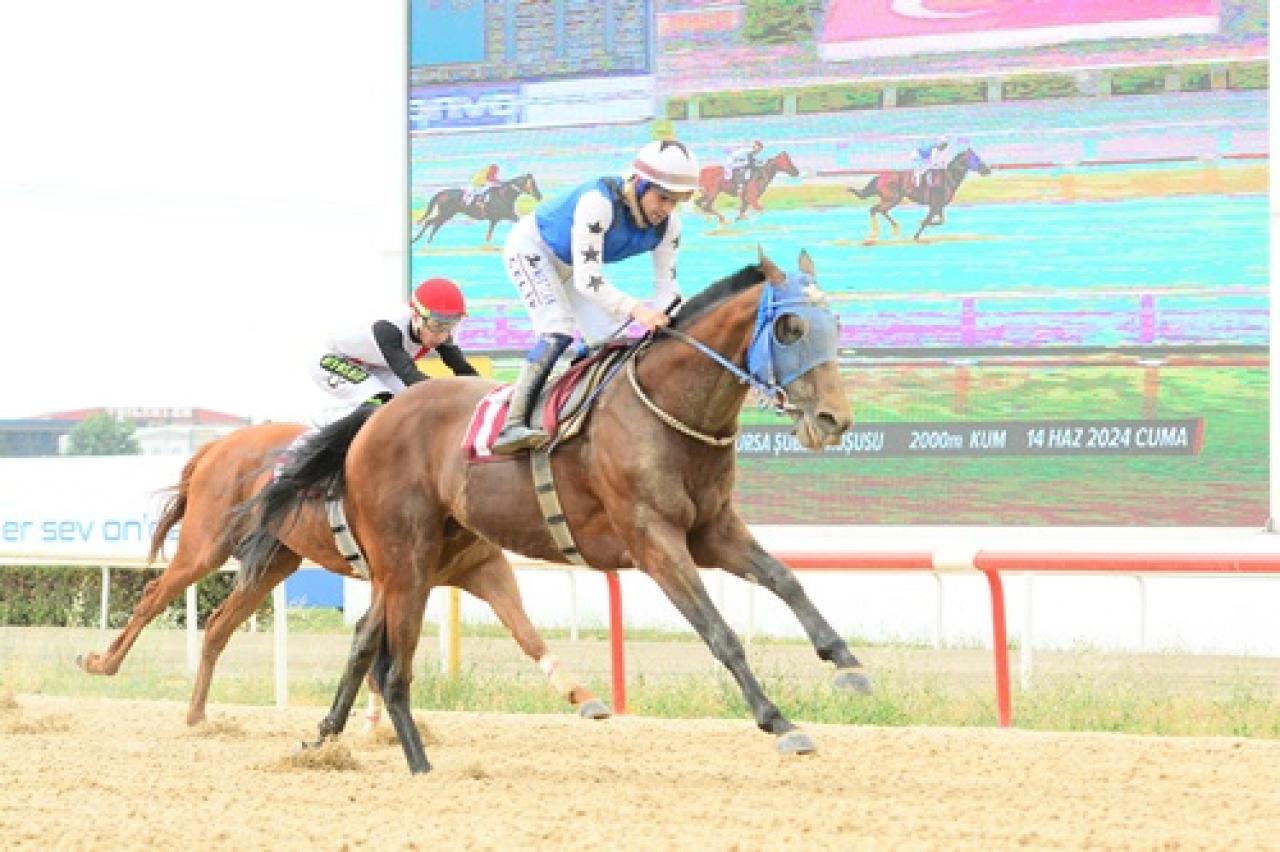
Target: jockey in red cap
pixel 374 360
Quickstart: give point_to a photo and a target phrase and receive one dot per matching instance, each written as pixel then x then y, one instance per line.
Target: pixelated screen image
pixel 1043 224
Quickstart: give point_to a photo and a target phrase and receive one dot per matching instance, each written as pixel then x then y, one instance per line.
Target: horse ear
pixel 772 273
pixel 806 264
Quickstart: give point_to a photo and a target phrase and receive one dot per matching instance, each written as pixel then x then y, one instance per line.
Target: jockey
pixel 556 255
pixel 481 182
pixel 373 361
pixel 743 162
pixel 929 158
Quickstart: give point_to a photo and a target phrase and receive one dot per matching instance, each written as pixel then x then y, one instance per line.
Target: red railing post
pixel 616 646
pixel 1000 648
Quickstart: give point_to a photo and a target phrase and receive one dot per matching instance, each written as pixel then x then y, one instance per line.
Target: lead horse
pixel 647 484
pixel 933 192
pixel 229 471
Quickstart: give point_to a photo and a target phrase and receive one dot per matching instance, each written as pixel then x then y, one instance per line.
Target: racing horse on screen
pixel 715 182
pixel 646 483
pixel 935 191
pixel 498 205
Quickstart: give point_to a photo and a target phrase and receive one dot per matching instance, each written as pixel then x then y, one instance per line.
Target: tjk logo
pixel 465 109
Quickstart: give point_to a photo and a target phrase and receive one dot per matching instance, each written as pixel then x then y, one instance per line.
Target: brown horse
pixel 933 191
pixel 230 470
pixel 647 484
pixel 497 205
pixel 715 181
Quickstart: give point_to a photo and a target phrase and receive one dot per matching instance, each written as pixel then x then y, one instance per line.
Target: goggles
pixel 440 323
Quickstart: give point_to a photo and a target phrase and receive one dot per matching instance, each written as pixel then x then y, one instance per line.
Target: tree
pixel 781 21
pixel 102 435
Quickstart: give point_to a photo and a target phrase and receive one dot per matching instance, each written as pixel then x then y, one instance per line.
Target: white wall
pixel 190 192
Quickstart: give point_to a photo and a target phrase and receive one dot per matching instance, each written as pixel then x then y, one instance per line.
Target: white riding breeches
pixel 546 286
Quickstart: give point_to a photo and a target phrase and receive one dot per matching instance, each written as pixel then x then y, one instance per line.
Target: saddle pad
pixel 486 422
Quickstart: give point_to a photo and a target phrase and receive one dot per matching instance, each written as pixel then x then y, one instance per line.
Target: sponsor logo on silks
pixel 344 368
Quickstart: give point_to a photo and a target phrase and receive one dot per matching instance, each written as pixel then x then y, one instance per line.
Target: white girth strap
pixel 343 538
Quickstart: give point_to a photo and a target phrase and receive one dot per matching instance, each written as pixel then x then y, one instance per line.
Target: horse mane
pixel 747 276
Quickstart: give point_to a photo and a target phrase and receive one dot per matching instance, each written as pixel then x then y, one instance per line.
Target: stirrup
pixel 517 437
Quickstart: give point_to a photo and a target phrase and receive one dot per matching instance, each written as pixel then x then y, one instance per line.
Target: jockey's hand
pixel 648 317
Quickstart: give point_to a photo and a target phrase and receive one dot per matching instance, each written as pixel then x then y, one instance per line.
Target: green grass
pixel 1085 690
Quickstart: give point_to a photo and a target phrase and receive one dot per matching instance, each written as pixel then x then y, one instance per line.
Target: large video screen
pixel 1079 333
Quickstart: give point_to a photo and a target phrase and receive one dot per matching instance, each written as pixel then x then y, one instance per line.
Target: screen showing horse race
pixel 1043 226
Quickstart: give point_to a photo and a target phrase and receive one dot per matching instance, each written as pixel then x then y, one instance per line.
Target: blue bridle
pixel 772 364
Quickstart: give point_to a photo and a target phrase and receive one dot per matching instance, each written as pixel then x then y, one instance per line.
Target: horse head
pixel 793 350
pixel 967 160
pixel 526 184
pixel 781 162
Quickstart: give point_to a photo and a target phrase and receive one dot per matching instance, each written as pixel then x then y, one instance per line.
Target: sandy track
pixel 98 774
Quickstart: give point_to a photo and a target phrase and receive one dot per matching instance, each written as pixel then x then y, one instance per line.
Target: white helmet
pixel 669 164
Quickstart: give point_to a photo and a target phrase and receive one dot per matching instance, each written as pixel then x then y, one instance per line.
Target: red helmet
pixel 439 298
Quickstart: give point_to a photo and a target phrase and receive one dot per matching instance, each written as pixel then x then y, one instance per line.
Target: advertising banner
pixel 453 107
pixel 856 29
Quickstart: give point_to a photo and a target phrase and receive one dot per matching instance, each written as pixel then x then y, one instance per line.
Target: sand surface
pixel 109 774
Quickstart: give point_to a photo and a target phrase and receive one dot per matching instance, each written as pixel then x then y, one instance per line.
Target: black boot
pixel 516 435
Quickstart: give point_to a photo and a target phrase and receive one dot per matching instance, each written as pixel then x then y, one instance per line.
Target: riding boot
pixel 516 435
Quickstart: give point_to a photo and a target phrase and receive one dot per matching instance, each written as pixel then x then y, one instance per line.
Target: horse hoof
pixel 852 680
pixel 796 742
pixel 594 709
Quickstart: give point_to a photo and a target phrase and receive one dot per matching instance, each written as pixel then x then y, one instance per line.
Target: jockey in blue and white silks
pixel 929 158
pixel 556 256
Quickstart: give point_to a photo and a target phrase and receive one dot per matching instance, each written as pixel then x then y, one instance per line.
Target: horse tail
pixel 872 188
pixel 317 465
pixel 176 506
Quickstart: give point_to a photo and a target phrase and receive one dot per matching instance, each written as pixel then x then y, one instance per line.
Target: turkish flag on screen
pixel 858 28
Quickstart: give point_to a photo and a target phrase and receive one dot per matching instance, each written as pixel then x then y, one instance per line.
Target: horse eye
pixel 789 328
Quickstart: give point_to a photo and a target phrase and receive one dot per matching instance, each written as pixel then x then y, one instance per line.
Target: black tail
pixel 316 466
pixel 872 188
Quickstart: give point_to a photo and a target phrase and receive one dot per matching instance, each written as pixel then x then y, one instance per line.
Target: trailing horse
pixel 647 483
pixel 498 205
pixel 714 181
pixel 226 472
pixel 935 192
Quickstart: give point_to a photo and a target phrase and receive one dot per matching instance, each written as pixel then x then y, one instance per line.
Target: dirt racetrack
pixel 106 774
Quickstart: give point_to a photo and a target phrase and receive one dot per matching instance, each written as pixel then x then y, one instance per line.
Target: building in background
pixel 160 431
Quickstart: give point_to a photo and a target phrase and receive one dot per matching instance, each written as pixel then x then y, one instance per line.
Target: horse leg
pixel 924 223
pixel 223 621
pixel 365 644
pixel 403 608
pixel 494 582
pixel 873 233
pixel 731 547
pixel 184 570
pixel 661 554
pixel 493 223
pixel 441 218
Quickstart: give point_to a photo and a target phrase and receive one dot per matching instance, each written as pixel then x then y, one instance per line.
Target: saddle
pixel 561 411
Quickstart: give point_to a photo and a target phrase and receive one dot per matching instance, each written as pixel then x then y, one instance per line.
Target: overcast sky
pixel 191 196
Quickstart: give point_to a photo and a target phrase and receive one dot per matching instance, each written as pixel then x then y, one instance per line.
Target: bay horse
pixel 647 483
pixel 227 472
pixel 498 205
pixel 892 187
pixel 714 181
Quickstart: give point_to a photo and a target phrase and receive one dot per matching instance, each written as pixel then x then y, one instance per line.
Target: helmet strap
pixel 631 192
